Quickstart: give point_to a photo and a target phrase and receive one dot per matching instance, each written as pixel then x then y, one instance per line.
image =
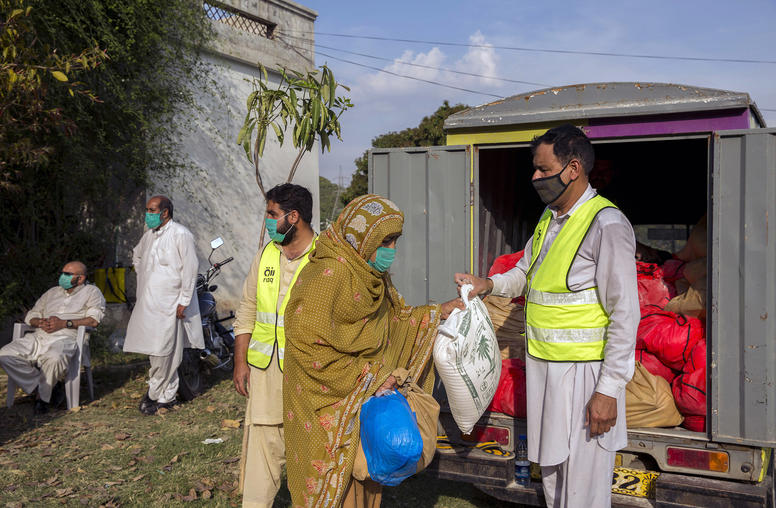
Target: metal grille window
pixel 239 20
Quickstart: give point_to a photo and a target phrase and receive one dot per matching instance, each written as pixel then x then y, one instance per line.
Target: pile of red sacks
pixel 671 345
pixel 510 394
pixel 503 264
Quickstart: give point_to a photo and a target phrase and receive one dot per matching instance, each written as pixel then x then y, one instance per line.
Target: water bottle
pixel 522 464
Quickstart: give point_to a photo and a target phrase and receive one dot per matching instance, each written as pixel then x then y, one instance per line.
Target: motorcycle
pixel 219 340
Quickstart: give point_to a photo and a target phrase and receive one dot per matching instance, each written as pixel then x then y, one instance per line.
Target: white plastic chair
pixel 73 377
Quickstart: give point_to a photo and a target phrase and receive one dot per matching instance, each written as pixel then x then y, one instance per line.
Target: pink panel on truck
pixel 650 125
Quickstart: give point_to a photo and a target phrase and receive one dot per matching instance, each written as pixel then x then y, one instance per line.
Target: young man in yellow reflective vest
pixel 582 312
pixel 260 339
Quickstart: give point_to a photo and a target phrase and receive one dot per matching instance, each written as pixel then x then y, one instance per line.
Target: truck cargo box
pixel 670 154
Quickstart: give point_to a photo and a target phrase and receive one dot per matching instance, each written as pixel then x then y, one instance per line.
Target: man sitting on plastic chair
pixel 40 359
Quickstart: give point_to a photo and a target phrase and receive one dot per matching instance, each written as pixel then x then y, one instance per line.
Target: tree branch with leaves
pixel 28 68
pixel 306 103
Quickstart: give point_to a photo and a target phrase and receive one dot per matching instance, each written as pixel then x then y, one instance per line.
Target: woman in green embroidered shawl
pixel 347 329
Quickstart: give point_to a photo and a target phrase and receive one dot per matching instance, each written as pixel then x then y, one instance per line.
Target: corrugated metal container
pixel 742 328
pixel 431 185
pixel 677 150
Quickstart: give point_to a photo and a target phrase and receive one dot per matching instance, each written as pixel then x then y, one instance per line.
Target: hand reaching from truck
pixel 481 286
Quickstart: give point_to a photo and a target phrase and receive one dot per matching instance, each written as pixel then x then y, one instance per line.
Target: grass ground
pixel 108 454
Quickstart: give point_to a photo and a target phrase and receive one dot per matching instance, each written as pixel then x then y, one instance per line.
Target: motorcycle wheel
pixel 190 381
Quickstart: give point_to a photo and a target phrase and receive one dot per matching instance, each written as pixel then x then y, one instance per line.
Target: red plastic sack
pixel 689 389
pixel 695 423
pixel 653 365
pixel 673 269
pixel 503 264
pixel 697 358
pixel 690 393
pixel 510 394
pixel 671 337
pixel 652 290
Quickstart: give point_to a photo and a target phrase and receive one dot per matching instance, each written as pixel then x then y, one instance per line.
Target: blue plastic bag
pixel 390 438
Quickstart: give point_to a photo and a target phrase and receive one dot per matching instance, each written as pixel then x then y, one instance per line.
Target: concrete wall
pixel 287 17
pixel 219 196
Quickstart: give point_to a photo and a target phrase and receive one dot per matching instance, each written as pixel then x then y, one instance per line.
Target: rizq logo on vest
pixel 269 275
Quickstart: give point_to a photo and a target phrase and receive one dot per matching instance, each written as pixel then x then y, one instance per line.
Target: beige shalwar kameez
pixel 264 449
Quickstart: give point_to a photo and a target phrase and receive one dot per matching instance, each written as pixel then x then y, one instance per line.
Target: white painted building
pixel 220 197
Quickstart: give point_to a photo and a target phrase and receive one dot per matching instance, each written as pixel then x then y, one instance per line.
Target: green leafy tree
pixel 29 69
pixel 72 199
pixel 307 103
pixel 430 132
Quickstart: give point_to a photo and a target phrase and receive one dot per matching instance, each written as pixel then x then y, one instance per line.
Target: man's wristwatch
pixel 69 323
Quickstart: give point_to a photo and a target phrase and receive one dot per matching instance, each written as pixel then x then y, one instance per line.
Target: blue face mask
pixel 153 220
pixel 383 259
pixel 66 281
pixel 272 229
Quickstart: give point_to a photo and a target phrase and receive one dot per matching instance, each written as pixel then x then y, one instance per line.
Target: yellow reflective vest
pixel 564 325
pixel 268 328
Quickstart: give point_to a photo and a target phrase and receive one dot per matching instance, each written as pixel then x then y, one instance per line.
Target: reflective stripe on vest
pixel 269 318
pixel 268 329
pixel 564 325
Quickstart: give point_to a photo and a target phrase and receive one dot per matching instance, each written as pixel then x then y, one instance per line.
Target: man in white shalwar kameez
pixel 576 367
pixel 38 360
pixel 166 317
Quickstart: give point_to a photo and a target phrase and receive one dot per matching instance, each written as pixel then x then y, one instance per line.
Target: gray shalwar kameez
pixel 577 469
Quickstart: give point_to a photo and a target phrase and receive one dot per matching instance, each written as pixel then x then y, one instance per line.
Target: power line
pixel 297 48
pixel 431 82
pixel 437 83
pixel 542 50
pixel 412 64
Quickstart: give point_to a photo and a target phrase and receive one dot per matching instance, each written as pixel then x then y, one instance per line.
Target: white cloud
pixel 479 60
pixel 429 66
pixel 385 103
pixel 382 83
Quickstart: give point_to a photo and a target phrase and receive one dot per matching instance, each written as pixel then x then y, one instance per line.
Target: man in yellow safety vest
pixel 582 312
pixel 260 339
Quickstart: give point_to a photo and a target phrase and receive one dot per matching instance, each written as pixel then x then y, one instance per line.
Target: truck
pixel 677 152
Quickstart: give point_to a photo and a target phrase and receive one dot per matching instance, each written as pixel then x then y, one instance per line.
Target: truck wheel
pixel 190 382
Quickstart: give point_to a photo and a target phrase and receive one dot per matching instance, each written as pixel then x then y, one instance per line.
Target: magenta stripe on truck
pixel 704 121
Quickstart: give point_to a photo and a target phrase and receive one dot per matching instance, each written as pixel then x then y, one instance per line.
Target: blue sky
pixel 718 29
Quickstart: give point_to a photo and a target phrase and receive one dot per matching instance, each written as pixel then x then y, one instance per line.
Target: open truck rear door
pixel 433 187
pixel 742 307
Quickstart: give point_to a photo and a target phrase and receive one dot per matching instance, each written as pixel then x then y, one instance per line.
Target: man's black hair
pixel 568 142
pixel 290 197
pixel 165 204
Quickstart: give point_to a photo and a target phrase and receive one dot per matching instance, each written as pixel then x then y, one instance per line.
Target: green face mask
pixel 383 259
pixel 153 220
pixel 272 229
pixel 66 281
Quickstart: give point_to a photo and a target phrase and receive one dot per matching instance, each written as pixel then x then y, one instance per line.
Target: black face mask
pixel 552 187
